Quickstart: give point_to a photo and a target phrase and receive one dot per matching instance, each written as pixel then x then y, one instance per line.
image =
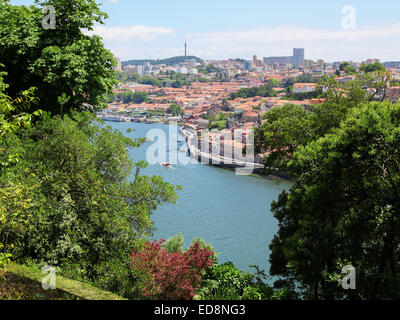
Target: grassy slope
pixel 25 283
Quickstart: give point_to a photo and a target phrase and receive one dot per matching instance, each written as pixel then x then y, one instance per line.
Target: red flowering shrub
pixel 171 276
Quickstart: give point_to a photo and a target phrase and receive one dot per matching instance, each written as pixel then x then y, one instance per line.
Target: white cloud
pixel 123 34
pixel 368 41
pixel 329 44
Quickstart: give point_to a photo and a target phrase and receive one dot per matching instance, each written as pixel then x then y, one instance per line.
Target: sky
pixel 333 30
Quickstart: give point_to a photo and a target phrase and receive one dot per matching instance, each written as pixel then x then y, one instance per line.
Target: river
pixel 230 211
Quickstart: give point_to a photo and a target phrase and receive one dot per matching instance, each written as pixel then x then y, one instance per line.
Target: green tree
pixel 343 65
pixel 14 117
pixel 60 61
pixel 377 82
pixel 350 70
pixel 366 68
pixel 343 210
pixel 283 131
pixel 175 110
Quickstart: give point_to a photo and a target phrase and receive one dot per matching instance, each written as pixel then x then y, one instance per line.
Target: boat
pixel 167 164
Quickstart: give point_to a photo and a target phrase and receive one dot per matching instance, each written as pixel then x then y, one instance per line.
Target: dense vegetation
pixel 343 208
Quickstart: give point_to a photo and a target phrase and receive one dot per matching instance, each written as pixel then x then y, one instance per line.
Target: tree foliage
pixel 343 209
pixel 376 66
pixel 175 110
pixel 284 129
pixel 65 60
pixel 83 207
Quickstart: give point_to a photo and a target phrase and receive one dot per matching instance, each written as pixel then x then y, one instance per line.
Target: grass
pixel 21 282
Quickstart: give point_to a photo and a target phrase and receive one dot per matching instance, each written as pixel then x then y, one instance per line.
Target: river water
pixel 230 211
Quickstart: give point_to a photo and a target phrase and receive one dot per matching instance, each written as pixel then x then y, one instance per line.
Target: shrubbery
pixel 170 275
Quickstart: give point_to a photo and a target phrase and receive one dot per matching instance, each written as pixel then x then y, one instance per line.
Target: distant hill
pixel 168 61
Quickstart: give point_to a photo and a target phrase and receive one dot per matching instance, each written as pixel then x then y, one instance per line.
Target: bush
pixel 171 276
pixel 226 282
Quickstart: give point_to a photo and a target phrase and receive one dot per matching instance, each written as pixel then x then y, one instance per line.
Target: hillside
pixel 21 282
pixel 167 61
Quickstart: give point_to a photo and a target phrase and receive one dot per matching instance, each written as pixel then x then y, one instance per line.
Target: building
pixel 257 63
pixel 247 65
pixel 371 61
pixel 393 94
pixel 119 65
pixel 298 56
pixel 278 60
pixel 182 70
pixel 308 63
pixel 147 68
pixel 139 70
pixel 129 69
pixel 296 60
pixel 250 116
pixel 304 87
pixel 392 64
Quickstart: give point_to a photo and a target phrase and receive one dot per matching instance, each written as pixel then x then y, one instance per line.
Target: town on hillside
pixel 226 95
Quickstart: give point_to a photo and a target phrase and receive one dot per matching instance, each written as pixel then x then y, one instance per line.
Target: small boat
pixel 167 164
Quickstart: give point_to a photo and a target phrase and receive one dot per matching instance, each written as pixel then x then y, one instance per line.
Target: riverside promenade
pixel 218 160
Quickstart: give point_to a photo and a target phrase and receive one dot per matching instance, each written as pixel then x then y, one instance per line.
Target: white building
pixel 139 70
pixel 304 87
pixel 183 70
pixel 193 71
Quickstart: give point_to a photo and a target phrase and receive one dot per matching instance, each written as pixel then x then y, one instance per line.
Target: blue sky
pixel 230 29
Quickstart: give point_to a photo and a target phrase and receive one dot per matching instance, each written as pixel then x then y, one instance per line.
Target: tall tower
pixel 185 47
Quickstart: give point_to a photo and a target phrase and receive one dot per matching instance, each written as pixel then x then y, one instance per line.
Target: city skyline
pixel 223 30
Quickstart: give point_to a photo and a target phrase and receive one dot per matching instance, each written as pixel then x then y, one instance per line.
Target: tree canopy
pixel 343 209
pixel 64 60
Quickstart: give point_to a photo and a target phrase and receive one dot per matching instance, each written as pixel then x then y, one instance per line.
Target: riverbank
pixel 230 163
pixel 146 120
